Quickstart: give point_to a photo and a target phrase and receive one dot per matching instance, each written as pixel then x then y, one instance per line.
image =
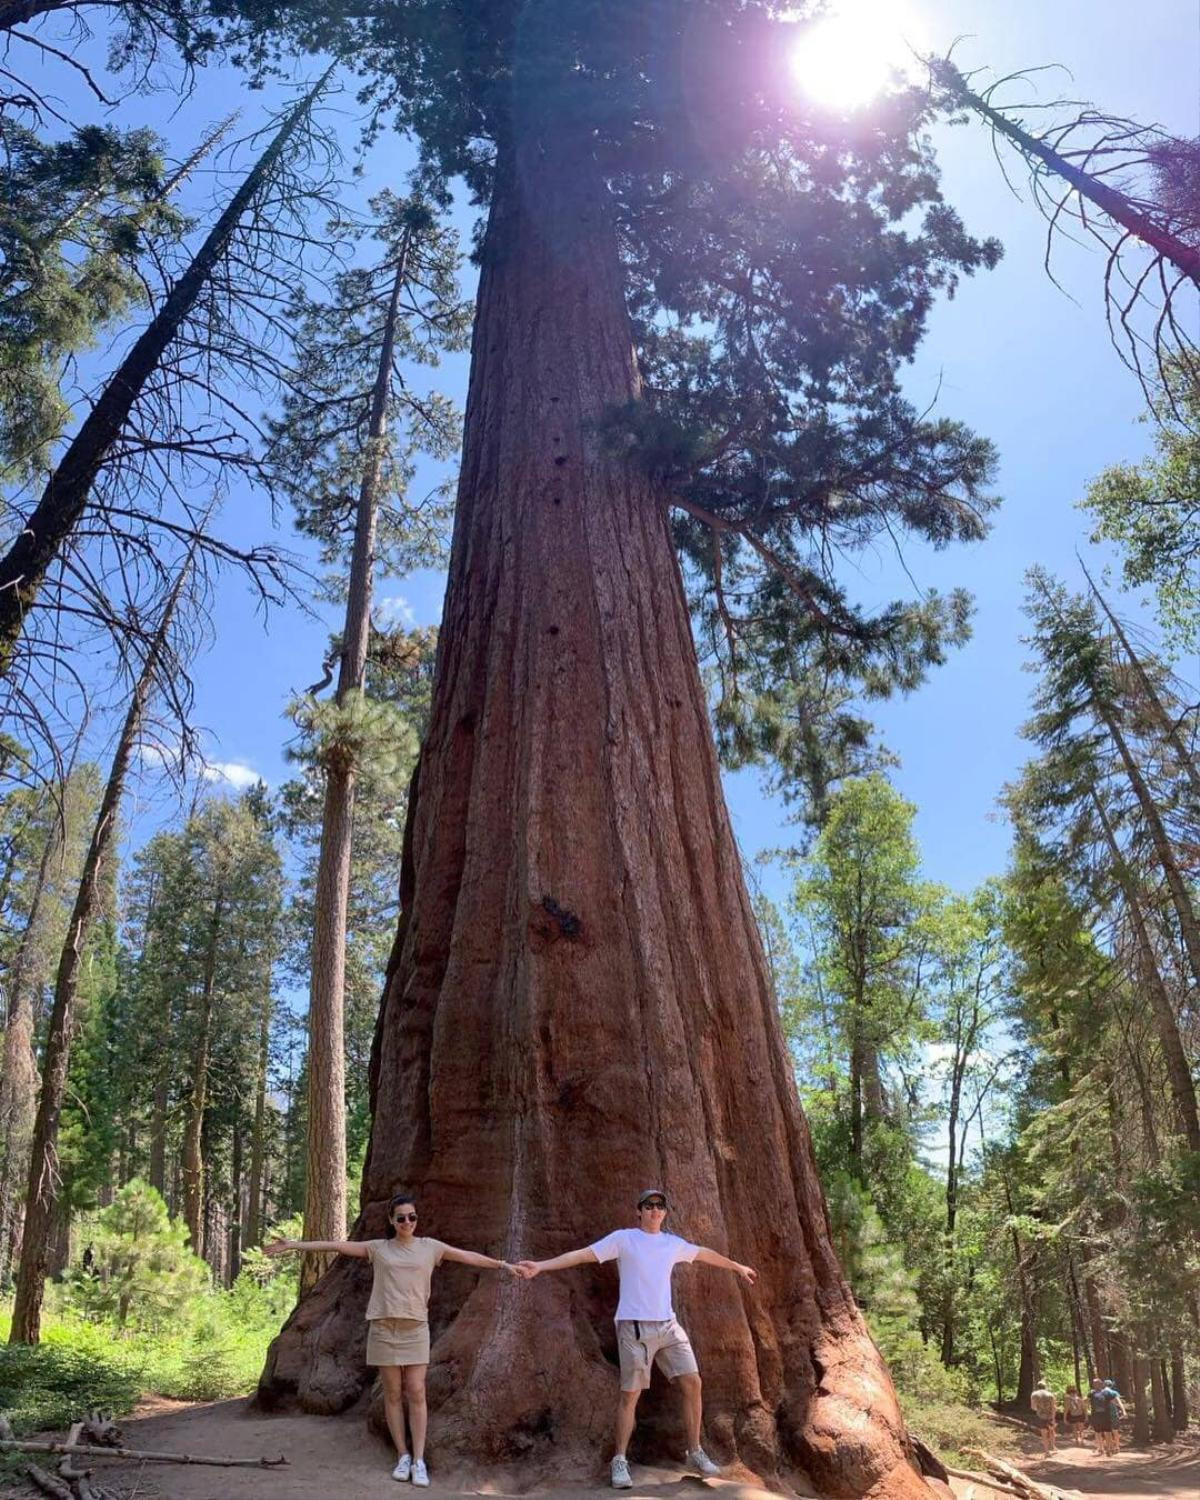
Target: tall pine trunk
pixel 578 1002
pixel 42 1206
pixel 193 1129
pixel 1166 1022
pixel 18 1067
pixel 325 1178
pixel 258 1145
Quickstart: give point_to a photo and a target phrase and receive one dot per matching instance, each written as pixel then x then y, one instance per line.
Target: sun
pixel 851 55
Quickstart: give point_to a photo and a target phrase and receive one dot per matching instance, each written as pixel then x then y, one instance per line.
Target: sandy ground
pixel 335 1458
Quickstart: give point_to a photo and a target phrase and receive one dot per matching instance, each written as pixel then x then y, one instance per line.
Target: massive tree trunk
pixel 578 1002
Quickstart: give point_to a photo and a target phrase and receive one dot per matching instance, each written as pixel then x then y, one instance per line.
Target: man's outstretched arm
pixel 708 1257
pixel 531 1268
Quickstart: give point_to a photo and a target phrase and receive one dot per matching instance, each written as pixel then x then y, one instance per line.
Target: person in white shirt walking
pixel 647 1330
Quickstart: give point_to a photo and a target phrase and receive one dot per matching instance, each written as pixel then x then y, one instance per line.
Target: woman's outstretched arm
pixel 357 1248
pixel 483 1262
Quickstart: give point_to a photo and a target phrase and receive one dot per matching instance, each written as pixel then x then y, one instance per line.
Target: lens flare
pixel 851 55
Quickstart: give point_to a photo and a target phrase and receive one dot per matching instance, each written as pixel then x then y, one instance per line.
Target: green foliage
pixel 360 731
pixel 75 218
pixel 1148 509
pixel 142 1274
pixel 321 452
pixel 71 1372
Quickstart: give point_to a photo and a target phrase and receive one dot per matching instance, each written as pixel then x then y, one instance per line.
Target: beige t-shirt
pixel 402 1272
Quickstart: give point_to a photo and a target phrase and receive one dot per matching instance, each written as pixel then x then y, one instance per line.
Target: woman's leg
pixel 391 1378
pixel 418 1413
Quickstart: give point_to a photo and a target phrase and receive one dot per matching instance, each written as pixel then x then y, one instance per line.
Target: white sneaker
pixel 420 1475
pixel 699 1460
pixel 622 1479
pixel 403 1469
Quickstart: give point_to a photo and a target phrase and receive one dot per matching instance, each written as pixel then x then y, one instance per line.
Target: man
pixel 1045 1409
pixel 1101 1412
pixel 1116 1408
pixel 647 1331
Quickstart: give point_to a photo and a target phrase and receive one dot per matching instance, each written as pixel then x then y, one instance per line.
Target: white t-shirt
pixel 644 1263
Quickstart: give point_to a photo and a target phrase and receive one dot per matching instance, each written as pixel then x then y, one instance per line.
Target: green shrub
pixel 142 1276
pixel 57 1382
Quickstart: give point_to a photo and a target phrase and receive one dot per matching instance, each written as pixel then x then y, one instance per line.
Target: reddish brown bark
pixel 579 1002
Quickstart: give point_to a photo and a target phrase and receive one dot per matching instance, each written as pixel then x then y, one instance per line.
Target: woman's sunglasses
pixel 404 1218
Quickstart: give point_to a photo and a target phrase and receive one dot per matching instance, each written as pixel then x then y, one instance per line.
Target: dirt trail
pixel 1170 1472
pixel 335 1458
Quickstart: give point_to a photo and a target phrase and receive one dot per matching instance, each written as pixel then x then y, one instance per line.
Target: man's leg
pixel 690 1389
pixel 626 1416
pixel 418 1411
pixel 391 1378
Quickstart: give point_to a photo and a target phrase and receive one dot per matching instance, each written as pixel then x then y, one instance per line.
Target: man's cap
pixel 650 1193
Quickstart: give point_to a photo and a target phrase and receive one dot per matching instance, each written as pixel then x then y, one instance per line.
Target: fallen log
pixel 48 1484
pixel 1016 1478
pixel 92 1450
pixel 989 1481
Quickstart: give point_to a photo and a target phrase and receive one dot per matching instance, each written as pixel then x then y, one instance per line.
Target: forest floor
pixel 332 1458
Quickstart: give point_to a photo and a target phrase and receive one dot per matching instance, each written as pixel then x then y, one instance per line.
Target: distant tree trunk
pixel 1163 721
pixel 258 1144
pixel 1099 1332
pixel 158 1135
pixel 1120 1364
pixel 42 1195
pixel 1166 1022
pixel 1164 850
pixel 193 1144
pixel 236 1198
pixel 1162 1430
pixel 18 1069
pixel 1141 1402
pixel 578 999
pixel 1179 1394
pixel 49 526
pixel 325 1177
pixel 1079 1316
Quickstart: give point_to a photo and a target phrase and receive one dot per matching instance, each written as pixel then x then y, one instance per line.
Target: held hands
pixel 526 1269
pixel 748 1274
pixel 278 1247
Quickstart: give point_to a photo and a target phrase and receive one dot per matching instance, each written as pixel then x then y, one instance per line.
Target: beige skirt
pixel 397 1341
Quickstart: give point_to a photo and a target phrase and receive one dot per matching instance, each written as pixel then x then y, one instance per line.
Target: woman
pixel 398 1318
pixel 1075 1412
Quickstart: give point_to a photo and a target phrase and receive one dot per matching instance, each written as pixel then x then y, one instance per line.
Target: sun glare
pixel 849 56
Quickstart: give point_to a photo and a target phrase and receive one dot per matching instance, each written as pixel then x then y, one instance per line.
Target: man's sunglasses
pixel 404 1218
pixel 655 1203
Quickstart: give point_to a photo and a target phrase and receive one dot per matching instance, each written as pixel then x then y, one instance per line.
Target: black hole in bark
pixel 568 923
pixel 558 499
pixel 558 440
pixel 551 629
pixel 561 459
pixel 555 398
pixel 467 723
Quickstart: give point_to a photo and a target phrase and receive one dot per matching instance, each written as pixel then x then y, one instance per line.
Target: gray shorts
pixel 641 1344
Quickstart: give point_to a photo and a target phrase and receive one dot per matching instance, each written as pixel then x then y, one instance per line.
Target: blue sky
pixel 1019 360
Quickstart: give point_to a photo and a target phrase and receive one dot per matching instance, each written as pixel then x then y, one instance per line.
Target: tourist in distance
pixel 647 1330
pixel 1045 1409
pixel 1100 1409
pixel 1116 1410
pixel 398 1318
pixel 1074 1413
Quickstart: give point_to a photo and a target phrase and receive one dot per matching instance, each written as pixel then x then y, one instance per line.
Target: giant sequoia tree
pixel 693 305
